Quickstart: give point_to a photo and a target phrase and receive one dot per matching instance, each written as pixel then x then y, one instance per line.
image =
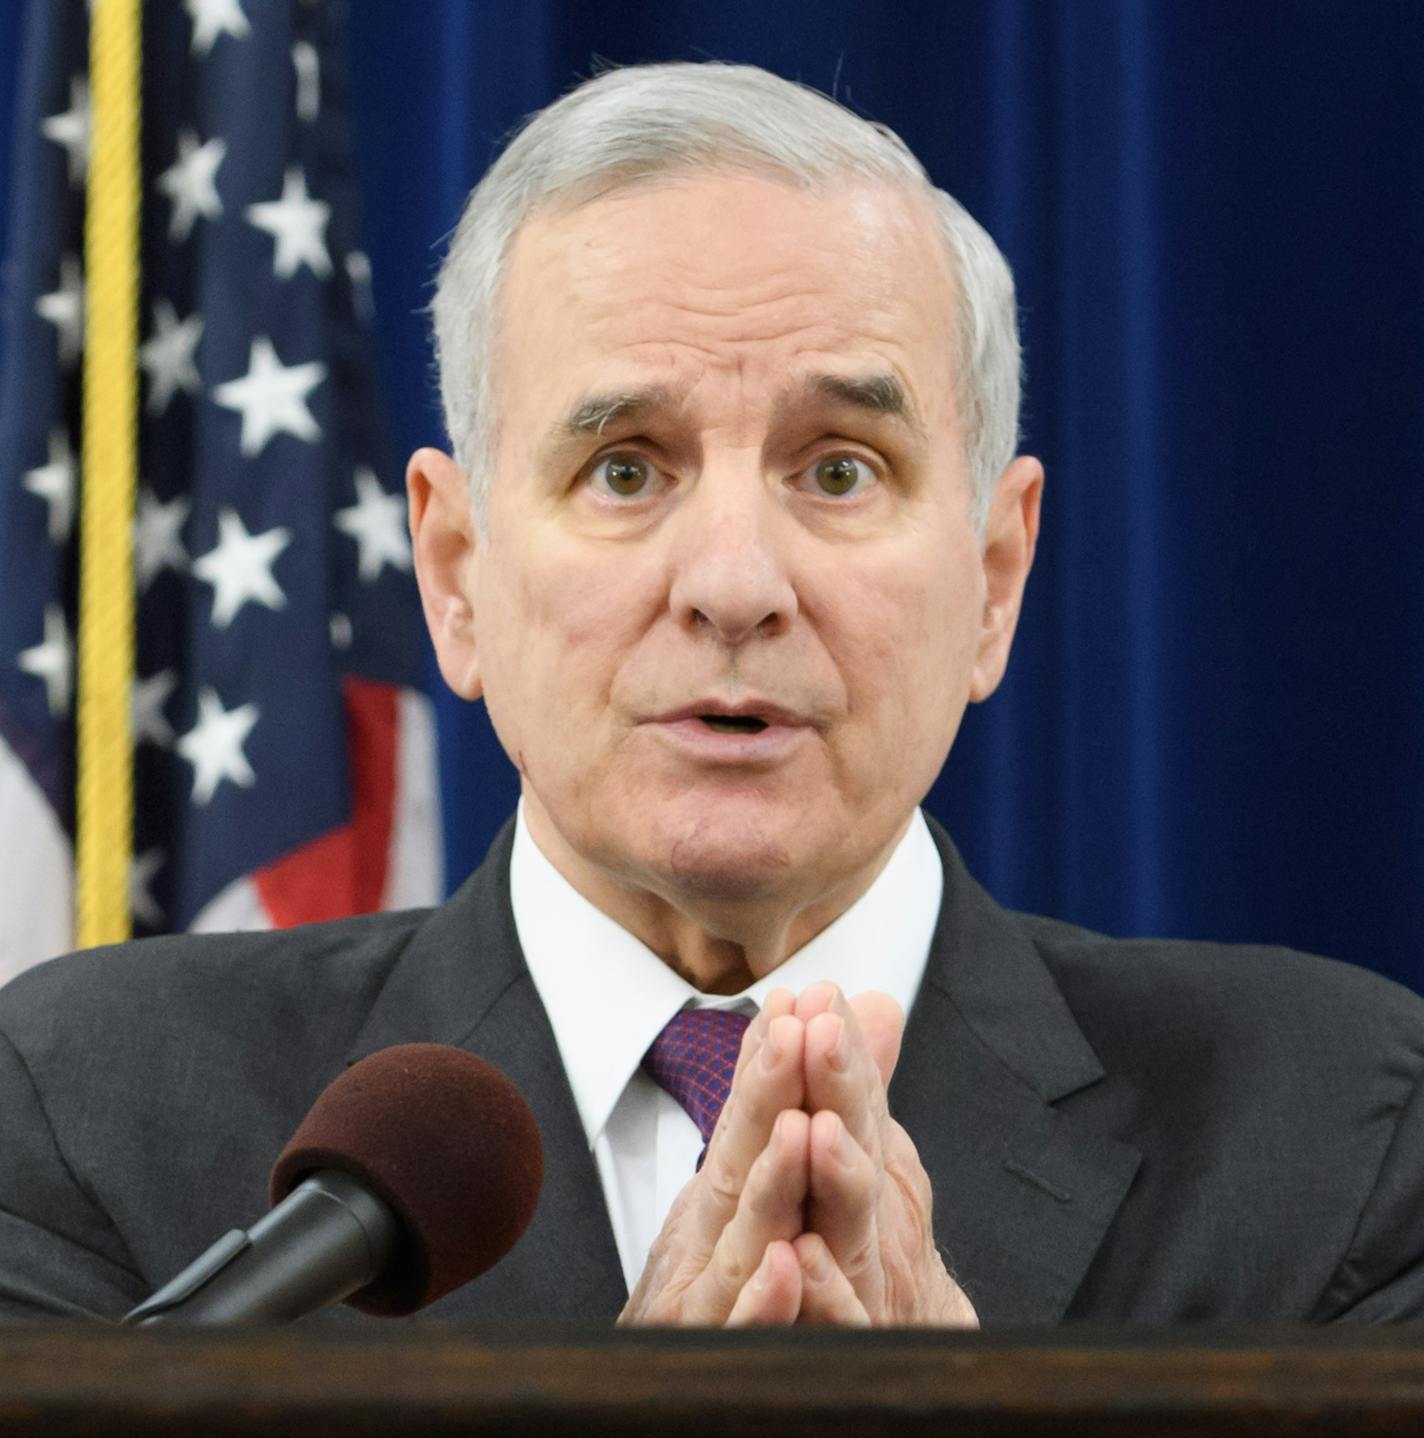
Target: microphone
pixel 415 1171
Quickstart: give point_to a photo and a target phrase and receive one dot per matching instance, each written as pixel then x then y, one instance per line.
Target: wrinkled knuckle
pixel 724 1183
pixel 862 1256
pixel 758 1109
pixel 733 1272
pixel 915 1195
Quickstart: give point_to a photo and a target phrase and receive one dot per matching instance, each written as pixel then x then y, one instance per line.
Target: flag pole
pixel 104 810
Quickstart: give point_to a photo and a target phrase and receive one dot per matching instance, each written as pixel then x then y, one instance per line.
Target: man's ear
pixel 1010 537
pixel 446 549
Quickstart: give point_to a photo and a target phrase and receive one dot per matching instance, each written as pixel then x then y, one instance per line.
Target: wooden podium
pixel 62 1380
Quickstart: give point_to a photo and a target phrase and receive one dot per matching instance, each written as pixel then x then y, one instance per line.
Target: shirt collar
pixel 608 995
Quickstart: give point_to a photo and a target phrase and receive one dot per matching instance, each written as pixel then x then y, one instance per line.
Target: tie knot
pixel 694 1058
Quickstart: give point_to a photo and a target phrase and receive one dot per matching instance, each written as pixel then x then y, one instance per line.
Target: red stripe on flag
pixel 344 871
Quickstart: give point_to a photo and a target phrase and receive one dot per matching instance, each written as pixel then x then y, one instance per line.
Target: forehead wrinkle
pixel 751 302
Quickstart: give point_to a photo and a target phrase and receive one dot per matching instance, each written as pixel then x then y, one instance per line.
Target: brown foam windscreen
pixel 448 1142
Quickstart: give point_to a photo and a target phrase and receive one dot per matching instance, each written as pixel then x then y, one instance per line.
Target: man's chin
pixel 726 859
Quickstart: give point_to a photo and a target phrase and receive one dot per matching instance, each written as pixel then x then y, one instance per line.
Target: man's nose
pixel 731 576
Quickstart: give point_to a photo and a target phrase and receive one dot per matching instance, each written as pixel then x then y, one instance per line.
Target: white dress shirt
pixel 608 996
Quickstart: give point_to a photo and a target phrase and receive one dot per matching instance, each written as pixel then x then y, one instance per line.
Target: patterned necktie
pixel 694 1058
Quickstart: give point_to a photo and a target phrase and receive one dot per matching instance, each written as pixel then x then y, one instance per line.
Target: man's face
pixel 730 604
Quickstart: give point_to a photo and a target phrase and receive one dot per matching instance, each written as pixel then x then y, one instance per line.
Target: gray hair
pixel 628 124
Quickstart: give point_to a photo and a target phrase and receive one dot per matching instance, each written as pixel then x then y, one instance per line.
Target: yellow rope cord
pixel 104 810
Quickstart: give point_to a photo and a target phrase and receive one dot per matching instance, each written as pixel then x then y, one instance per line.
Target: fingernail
pixel 845 1151
pixel 838 1055
pixel 770 1051
pixel 775 1047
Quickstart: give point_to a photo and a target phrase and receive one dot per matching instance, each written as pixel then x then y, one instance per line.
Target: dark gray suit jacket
pixel 1139 1131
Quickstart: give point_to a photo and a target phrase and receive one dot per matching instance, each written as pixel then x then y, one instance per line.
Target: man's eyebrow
pixel 878 393
pixel 881 393
pixel 595 412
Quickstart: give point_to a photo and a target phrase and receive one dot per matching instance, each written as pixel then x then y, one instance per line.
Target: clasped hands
pixel 812 1205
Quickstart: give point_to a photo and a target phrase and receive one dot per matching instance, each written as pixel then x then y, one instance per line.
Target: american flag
pixel 284 765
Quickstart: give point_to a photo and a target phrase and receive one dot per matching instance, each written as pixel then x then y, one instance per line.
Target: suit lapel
pixel 1024 1188
pixel 463 981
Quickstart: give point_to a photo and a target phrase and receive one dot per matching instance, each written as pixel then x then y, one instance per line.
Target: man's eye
pixel 626 475
pixel 840 474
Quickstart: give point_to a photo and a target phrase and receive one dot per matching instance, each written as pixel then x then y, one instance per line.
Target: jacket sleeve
pixel 1381 1277
pixel 59 1253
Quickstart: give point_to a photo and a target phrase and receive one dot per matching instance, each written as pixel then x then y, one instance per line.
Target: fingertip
pixel 822 996
pixel 773 1293
pixel 813 1257
pixel 780 1280
pixel 778 1003
pixel 840 1175
pixel 780 1257
pixel 784 1036
pixel 826 1294
pixel 792 1131
pixel 829 1137
pixel 828 1040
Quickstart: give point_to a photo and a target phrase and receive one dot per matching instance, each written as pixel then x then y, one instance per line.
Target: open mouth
pixel 733 723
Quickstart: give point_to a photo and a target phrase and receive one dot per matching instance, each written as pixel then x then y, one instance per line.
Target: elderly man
pixel 733 532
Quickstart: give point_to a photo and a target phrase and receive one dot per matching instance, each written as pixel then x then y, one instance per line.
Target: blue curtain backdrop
pixel 1214 720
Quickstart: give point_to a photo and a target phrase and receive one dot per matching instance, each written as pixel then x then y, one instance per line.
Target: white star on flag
pixel 149 697
pixel 213 746
pixel 167 356
pixel 141 901
pixel 191 183
pixel 51 660
pixel 54 483
pixel 240 567
pixel 71 129
pixel 64 309
pixel 377 523
pixel 272 398
pixel 297 223
pixel 212 18
pixel 157 527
